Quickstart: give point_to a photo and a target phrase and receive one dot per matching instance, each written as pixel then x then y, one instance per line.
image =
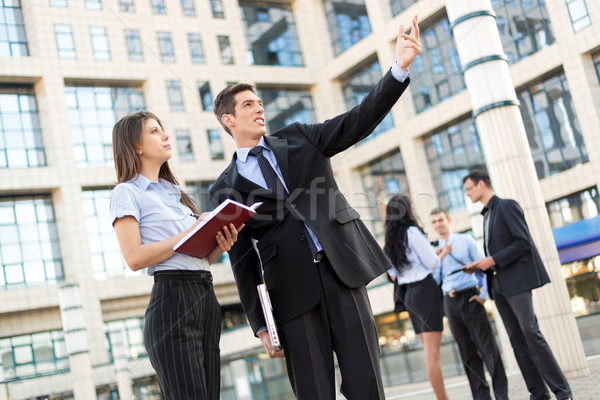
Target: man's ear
pixel 227 120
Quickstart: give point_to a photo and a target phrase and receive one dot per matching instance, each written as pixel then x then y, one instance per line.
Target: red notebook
pixel 202 239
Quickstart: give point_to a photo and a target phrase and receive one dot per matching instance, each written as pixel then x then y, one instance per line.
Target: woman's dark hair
pixel 127 138
pixel 399 216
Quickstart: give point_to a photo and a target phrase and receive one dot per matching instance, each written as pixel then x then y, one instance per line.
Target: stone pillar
pixel 508 158
pixel 122 373
pixel 76 342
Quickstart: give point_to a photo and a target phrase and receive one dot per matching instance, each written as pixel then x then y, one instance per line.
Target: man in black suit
pixel 316 253
pixel 514 267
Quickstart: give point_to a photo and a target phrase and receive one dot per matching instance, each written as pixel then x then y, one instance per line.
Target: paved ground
pixel 584 388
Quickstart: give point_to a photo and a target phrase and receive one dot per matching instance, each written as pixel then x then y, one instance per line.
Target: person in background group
pixel 316 253
pixel 415 266
pixel 514 267
pixel 464 308
pixel 150 215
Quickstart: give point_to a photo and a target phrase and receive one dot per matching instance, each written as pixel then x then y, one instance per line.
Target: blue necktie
pixel 276 186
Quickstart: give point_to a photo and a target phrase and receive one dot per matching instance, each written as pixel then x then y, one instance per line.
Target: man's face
pixel 248 121
pixel 473 191
pixel 440 223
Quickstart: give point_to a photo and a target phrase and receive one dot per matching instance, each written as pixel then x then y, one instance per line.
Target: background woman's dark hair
pixel 127 138
pixel 399 216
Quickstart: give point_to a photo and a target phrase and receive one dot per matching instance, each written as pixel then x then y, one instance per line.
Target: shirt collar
pixel 489 205
pixel 143 183
pixel 448 238
pixel 242 152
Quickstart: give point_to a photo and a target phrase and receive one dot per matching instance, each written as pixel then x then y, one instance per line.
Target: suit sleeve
pixel 339 133
pixel 246 271
pixel 515 224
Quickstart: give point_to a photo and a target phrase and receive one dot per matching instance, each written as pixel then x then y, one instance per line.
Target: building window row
pixel 552 127
pixel 131 332
pixel 13 41
pixel 286 106
pixel 451 154
pixel 33 355
pixel 579 14
pixel 30 252
pixel 21 142
pixel 574 207
pixel 348 23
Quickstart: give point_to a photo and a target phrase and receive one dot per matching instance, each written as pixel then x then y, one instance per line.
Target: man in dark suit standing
pixel 316 253
pixel 514 267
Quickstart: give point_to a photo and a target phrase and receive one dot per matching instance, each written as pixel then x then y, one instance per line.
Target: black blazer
pixel 303 153
pixel 519 267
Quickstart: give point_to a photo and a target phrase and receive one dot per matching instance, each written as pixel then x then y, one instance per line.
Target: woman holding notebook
pixel 150 215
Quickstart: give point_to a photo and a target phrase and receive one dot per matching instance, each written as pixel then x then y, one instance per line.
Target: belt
pixel 464 292
pixel 319 257
pixel 182 275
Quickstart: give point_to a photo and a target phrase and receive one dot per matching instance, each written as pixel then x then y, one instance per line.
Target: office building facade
pixel 72 313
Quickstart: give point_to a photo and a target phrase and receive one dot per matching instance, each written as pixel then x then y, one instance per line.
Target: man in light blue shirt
pixel 463 306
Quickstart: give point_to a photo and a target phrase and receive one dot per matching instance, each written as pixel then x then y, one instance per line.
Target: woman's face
pixel 155 146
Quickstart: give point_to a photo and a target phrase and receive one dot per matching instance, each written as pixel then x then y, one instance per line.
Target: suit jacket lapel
pixel 280 150
pixel 237 182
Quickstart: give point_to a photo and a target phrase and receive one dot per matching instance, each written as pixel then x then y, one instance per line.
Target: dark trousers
pixel 475 339
pixel 182 331
pixel 534 356
pixel 342 322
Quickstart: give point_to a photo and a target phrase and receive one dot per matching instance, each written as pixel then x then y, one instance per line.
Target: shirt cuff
pixel 261 330
pixel 399 73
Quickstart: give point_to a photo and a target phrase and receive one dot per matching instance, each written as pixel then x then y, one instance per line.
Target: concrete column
pixel 242 385
pixel 508 158
pixel 76 342
pixel 122 373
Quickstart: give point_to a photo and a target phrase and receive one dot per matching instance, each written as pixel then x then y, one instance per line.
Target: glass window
pixel 574 207
pixel 552 126
pixel 64 41
pixel 285 107
pixel 189 10
pixel 440 72
pixel 199 192
pixel 59 3
pixel 132 337
pixel 451 154
pixel 165 46
pixel 127 5
pixel 32 355
pixel 13 41
pixel 579 14
pixel 134 45
pixel 348 22
pixel 215 144
pixel 206 99
pixel 100 45
pixel 400 5
pixel 196 48
pixel 107 259
pixel 225 50
pixel 271 34
pixel 217 9
pixel 357 86
pixel 30 252
pixel 175 95
pixel 93 4
pixel 524 27
pixel 381 179
pixel 93 111
pixel 21 142
pixel 596 60
pixel 184 144
pixel 158 6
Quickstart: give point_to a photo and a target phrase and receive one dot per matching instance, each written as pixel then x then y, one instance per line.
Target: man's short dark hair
pixel 225 101
pixel 439 210
pixel 477 176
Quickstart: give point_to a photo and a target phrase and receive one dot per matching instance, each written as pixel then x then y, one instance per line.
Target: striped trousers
pixel 181 332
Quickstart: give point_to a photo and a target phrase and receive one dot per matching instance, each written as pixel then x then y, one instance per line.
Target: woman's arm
pixel 139 256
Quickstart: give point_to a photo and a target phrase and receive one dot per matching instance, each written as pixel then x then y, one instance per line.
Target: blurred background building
pixel 72 313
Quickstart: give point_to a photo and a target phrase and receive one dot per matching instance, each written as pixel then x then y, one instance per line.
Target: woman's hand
pixel 227 237
pixel 225 240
